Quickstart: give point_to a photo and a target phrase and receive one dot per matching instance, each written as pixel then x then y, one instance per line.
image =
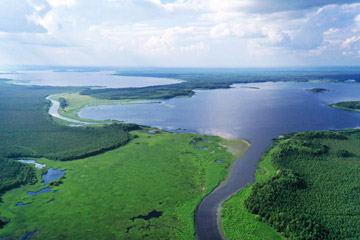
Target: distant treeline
pixel 211 79
pixel 315 193
pixel 350 105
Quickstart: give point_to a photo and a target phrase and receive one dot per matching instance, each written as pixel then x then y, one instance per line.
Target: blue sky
pixel 180 33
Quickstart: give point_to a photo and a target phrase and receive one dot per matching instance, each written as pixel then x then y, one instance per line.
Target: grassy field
pixel 307 187
pixel 102 194
pixel 75 102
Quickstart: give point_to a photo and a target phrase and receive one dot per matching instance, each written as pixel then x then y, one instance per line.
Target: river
pixel 255 112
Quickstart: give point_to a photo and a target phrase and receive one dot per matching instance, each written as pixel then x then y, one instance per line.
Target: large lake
pixel 257 115
pixel 78 79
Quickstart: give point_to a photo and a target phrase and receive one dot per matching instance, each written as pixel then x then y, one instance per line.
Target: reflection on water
pixel 246 113
pixel 256 115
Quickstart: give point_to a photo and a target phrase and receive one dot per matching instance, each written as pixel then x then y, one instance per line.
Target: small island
pixel 318 90
pixel 348 105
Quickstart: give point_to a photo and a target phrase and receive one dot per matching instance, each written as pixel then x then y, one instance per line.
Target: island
pixel 318 90
pixel 348 105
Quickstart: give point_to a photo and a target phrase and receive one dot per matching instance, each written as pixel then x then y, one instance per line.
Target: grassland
pixel 75 102
pixel 349 105
pixel 101 194
pixel 306 188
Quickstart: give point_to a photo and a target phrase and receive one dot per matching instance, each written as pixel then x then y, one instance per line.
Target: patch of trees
pixel 14 174
pixel 317 90
pixel 63 103
pixel 353 105
pixel 272 202
pixel 315 192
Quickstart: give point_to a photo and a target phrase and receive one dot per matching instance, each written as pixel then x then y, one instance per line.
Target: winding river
pixel 254 112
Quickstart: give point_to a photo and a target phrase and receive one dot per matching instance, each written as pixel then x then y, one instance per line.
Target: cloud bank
pixel 183 33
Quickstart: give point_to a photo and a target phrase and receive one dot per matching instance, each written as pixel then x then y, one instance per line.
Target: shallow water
pixel 44 190
pixel 53 175
pixel 257 114
pixel 37 165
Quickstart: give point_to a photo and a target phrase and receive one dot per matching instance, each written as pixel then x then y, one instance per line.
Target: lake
pixel 78 79
pixel 256 115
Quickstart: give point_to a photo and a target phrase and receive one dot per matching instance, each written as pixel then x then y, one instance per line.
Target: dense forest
pixel 350 105
pixel 27 130
pixel 315 192
pixel 196 79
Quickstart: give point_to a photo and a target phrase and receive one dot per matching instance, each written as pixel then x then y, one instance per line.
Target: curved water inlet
pixel 54 112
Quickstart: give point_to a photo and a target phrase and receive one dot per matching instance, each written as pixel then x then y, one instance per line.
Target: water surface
pixel 78 79
pixel 53 175
pixel 257 114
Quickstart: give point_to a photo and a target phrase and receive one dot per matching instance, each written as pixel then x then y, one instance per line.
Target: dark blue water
pixel 20 204
pixel 257 115
pixel 53 175
pixel 44 190
pixel 29 235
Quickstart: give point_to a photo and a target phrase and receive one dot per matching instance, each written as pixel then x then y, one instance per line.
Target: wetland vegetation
pixel 125 173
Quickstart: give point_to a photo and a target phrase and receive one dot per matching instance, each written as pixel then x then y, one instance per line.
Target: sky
pixel 180 33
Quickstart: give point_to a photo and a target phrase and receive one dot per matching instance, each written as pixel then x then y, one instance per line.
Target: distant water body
pixel 77 79
pixel 257 115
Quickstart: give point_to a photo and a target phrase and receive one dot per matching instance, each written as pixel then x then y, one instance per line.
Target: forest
pixel 314 190
pixel 349 105
pixel 197 79
pixel 28 131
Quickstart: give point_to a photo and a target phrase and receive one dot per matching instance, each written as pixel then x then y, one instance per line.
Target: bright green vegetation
pixel 317 90
pixel 212 79
pixel 75 102
pixel 101 194
pixel 307 187
pixel 350 105
pixel 27 130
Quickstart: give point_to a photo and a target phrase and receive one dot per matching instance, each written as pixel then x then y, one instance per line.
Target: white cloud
pixel 179 32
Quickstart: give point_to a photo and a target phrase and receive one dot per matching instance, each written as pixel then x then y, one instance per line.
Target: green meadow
pixel 100 195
